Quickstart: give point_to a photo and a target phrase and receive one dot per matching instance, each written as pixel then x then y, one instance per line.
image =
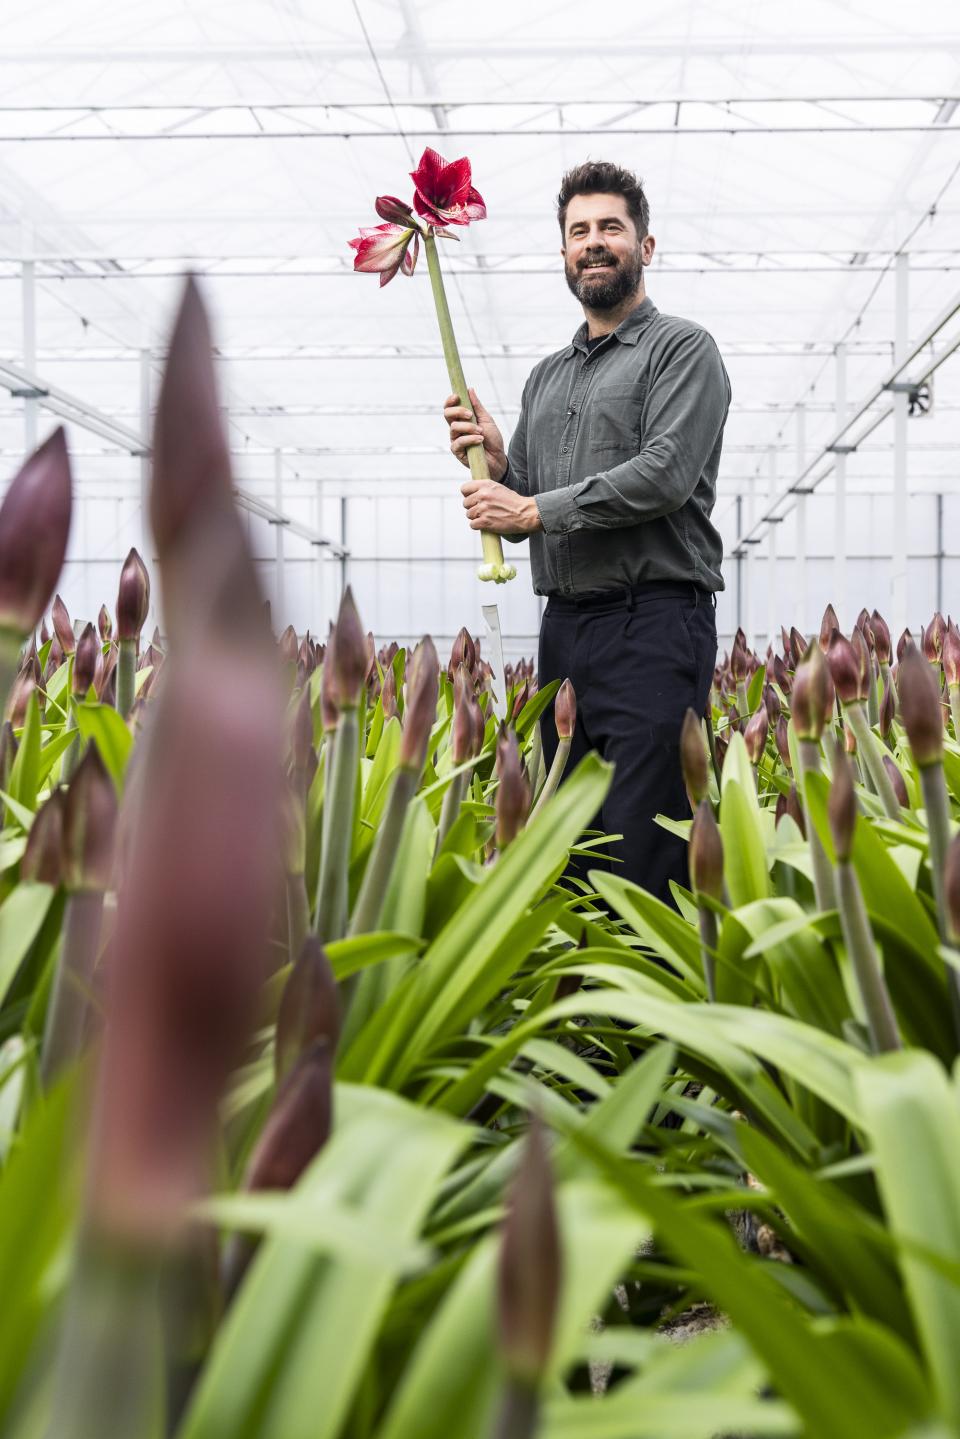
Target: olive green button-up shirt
pixel 620 444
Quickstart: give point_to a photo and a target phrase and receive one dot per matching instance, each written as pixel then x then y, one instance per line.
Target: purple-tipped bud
pixel 881 637
pixel 464 652
pixel 54 658
pixel 849 740
pixel 133 597
pixel 951 654
pixel 897 780
pixel 104 624
pixel 298 1124
pixel 63 626
pixel 106 671
pixel 755 735
pixel 888 707
pixel 89 823
pixel 932 642
pixel 42 861
pixel 795 812
pixel 828 624
pixel 529 1271
pixel 420 707
pixel 388 693
pixel 771 702
pixel 785 641
pixel 44 633
pixel 309 1008
pixel 920 709
pixel 512 801
pixel 520 699
pixel 780 809
pixel 34 525
pixel 305 657
pixel 329 708
pixel 781 736
pixel 19 698
pixel 479 725
pixel 739 663
pixel 845 668
pixel 951 888
pixel 706 852
pixel 85 660
pixel 864 659
pixel 782 675
pixel 694 758
pixel 389 208
pixel 813 695
pixel 461 734
pixel 349 654
pixel 289 646
pixel 842 806
pixel 905 639
pixel 798 646
pixel 565 710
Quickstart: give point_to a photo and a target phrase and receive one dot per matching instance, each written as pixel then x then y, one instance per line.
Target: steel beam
pixel 839 597
pixel 900 518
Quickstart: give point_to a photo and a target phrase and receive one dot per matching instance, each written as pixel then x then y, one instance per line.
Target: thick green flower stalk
pixel 812 705
pixel 86 658
pixel 133 605
pixel 565 718
pixel 852 673
pixel 706 872
pixel 462 748
pixel 348 667
pixel 857 934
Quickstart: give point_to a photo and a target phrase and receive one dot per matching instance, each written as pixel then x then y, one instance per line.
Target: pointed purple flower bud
pixel 828 624
pixel 464 652
pixel 512 802
pixel 881 637
pixel 842 806
pixel 461 734
pixel 813 695
pixel 932 642
pixel 479 726
pixel 329 708
pixel 42 861
pixel 23 687
pixel 85 661
pixel 920 709
pixel 780 809
pixel 522 695
pixel 782 675
pixel 529 1270
pixel 309 1008
pixel 289 646
pixel 897 780
pixel 34 526
pixel 888 707
pixel 298 1124
pixel 739 663
pixel 89 825
pixel 389 208
pixel 63 626
pixel 771 703
pixel 565 710
pixel 951 888
pixel 420 709
pixel 864 660
pixel 54 658
pixel 106 675
pixel 388 694
pixel 104 624
pixel 781 736
pixel 795 812
pixel 349 654
pixel 133 597
pixel 798 646
pixel 755 736
pixel 951 654
pixel 844 668
pixel 694 758
pixel 306 656
pixel 706 852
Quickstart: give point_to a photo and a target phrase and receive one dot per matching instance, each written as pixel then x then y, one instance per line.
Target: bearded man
pixel 611 477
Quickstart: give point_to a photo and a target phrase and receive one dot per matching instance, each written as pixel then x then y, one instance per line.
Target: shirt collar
pixel 628 331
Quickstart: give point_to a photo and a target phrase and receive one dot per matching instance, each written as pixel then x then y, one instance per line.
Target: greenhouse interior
pixel 480 765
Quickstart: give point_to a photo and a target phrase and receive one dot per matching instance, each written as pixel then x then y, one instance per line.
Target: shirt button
pixel 564 449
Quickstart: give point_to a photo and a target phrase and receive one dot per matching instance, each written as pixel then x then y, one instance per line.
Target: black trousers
pixel 636 659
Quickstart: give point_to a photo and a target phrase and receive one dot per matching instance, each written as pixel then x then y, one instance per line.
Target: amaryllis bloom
pixel 443 193
pixel 385 249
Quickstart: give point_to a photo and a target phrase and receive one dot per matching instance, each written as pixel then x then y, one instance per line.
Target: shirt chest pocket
pixel 613 413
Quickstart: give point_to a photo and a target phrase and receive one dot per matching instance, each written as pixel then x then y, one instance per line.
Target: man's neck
pixel 604 322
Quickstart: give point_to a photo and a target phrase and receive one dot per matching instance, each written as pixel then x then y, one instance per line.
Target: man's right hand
pixel 466 431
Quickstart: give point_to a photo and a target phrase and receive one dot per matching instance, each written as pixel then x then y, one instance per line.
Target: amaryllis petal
pixel 382 249
pixel 410 255
pixel 444 194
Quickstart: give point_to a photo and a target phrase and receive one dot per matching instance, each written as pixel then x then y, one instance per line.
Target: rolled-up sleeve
pixel 683 417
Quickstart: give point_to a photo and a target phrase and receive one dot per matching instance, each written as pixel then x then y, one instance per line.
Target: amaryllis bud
pixel 897 780
pixel 104 624
pixel 828 624
pixel 388 693
pixel 34 525
pixel 42 861
pixel 932 641
pixel 512 803
pixel 706 852
pixel 89 824
pixel 388 207
pixel 329 708
pixel 349 654
pixel 309 1008
pixel 905 639
pixel 694 758
pixel 464 652
pixel 565 710
pixel 842 806
pixel 881 637
pixel 780 810
pixel 529 1270
pixel 782 675
pixel 920 709
pixel 22 688
pixel 798 646
pixel 289 646
pixel 420 708
pixel 795 812
pixel 305 656
pixel 371 675
pixel 951 654
pixel 755 735
pixel 738 659
pixel 888 707
pixel 85 660
pixel 54 658
pixel 781 736
pixel 771 703
pixel 479 725
pixel 461 734
pixel 133 597
pixel 844 668
pixel 63 626
pixel 298 1124
pixel 813 695
pixel 864 659
pixel 951 888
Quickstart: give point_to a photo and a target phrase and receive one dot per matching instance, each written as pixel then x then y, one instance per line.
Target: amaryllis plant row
pixel 443 195
pixel 334 1103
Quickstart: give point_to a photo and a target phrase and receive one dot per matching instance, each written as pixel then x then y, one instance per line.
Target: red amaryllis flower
pixel 386 249
pixel 444 194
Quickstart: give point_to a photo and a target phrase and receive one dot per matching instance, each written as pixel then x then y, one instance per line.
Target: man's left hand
pixel 492 507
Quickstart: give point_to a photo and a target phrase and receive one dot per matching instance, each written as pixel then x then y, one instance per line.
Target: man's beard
pixel 606 292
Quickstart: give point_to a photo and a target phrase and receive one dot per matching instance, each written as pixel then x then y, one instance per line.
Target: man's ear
pixel 647 246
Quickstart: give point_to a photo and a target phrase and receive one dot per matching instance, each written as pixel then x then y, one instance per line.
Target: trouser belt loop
pixel 631 600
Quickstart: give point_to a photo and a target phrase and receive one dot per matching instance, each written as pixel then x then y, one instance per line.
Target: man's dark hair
pixel 600 177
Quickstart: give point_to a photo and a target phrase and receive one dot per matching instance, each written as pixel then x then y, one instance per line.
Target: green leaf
pixel 534 708
pixel 742 827
pixel 20 812
pixel 108 728
pixel 656 923
pixel 21 917
pixel 24 776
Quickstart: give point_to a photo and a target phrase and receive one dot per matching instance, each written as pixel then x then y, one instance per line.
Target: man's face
pixel 603 257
